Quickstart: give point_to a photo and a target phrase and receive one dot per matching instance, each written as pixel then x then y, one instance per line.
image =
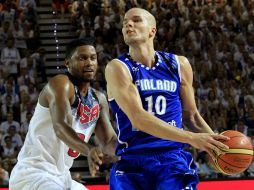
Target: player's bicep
pixel 186 91
pixel 122 89
pixel 58 95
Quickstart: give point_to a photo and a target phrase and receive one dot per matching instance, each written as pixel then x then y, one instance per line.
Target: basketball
pixel 238 157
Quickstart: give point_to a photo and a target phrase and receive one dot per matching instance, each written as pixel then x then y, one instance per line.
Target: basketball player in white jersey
pixel 67 113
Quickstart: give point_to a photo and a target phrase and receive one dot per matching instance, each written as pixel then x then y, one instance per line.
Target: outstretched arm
pixel 106 136
pixel 104 131
pixel 191 115
pixel 59 93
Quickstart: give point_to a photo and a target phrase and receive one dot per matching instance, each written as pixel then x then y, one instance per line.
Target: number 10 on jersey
pixel 159 105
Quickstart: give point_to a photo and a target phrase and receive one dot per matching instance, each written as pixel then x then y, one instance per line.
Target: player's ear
pixel 153 32
pixel 67 62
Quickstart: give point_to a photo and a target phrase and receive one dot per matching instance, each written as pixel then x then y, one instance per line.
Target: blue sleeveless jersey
pixel 159 89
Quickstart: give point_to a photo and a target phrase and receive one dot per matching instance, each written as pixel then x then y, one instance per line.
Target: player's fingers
pixel 92 167
pixel 220 145
pixel 220 137
pixel 99 152
pixel 96 158
pixel 211 153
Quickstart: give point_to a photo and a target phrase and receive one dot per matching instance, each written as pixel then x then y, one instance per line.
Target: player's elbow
pixel 138 120
pixel 189 115
pixel 58 130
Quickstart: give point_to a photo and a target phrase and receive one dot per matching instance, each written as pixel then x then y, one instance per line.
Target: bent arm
pixel 121 88
pixel 59 93
pixel 191 116
pixel 104 131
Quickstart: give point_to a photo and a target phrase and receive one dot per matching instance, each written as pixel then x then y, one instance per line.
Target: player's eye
pixel 82 58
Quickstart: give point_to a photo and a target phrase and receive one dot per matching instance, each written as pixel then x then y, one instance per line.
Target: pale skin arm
pixel 191 115
pixel 121 88
pixel 59 94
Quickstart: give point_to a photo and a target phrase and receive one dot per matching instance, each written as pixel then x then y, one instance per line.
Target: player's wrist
pixel 189 137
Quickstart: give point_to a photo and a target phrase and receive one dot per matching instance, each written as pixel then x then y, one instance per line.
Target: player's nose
pixel 129 23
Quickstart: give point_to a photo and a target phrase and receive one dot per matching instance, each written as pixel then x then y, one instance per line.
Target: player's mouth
pixel 88 71
pixel 129 32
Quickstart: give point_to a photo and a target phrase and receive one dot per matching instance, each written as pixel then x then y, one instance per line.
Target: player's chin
pixel 130 40
pixel 88 77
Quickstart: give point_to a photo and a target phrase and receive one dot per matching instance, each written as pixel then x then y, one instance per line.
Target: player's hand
pixel 94 159
pixel 209 143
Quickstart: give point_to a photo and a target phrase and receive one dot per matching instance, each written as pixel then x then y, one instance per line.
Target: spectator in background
pixel 9 12
pixel 55 6
pixel 40 59
pixel 23 4
pixel 10 58
pixel 15 138
pixel 19 37
pixel 249 120
pixel 204 168
pixel 10 91
pixel 24 79
pixel 9 150
pixel 4 176
pixel 241 127
pixel 24 126
pixel 5 33
pixel 33 93
pixel 9 122
pixel 7 107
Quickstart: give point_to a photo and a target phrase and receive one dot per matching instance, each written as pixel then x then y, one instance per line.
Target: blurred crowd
pixel 20 59
pixel 217 36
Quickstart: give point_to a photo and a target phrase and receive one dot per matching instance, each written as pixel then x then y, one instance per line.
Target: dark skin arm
pixel 58 95
pixel 105 135
pixel 104 130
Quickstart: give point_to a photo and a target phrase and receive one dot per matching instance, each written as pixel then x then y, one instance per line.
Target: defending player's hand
pixel 209 143
pixel 94 158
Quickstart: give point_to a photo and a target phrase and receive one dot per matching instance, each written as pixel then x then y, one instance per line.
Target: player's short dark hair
pixel 71 47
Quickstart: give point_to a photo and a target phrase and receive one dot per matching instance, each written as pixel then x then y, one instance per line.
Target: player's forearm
pixel 110 147
pixel 72 140
pixel 154 126
pixel 196 123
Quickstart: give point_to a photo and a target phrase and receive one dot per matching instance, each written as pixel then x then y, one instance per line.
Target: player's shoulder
pixel 59 77
pixel 100 95
pixel 97 92
pixel 60 81
pixel 114 63
pixel 116 66
pixel 182 59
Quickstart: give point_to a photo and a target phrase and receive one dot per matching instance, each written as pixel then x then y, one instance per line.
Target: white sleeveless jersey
pixel 42 149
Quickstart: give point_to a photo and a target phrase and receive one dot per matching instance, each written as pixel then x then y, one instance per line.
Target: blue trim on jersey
pixel 159 89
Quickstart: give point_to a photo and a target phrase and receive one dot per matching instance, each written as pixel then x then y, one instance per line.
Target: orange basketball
pixel 239 156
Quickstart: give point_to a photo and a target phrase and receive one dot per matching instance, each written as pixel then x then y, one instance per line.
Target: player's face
pixel 83 63
pixel 136 27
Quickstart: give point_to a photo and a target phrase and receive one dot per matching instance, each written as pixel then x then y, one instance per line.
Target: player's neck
pixel 82 86
pixel 143 54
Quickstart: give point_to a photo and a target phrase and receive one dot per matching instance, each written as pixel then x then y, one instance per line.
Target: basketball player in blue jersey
pixel 67 113
pixel 150 93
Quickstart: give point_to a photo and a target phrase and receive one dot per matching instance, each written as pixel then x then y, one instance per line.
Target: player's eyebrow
pixel 133 17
